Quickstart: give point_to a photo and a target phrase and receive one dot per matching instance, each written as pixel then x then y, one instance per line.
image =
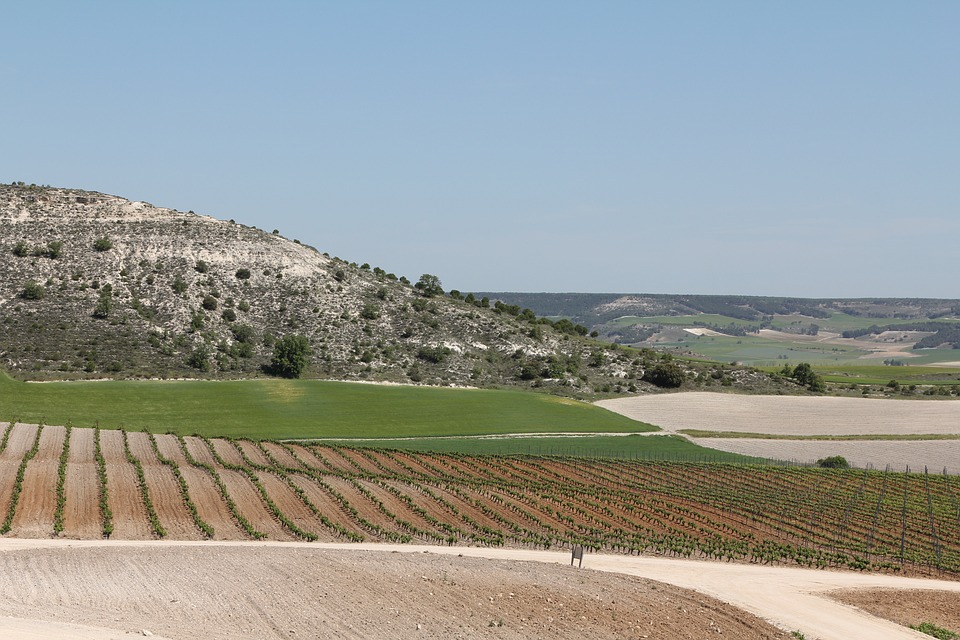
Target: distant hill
pixel 94 285
pixel 605 313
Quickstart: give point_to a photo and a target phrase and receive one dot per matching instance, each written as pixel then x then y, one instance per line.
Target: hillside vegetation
pixel 95 286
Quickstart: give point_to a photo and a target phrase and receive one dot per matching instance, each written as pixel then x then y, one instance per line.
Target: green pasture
pixel 761 351
pixel 682 321
pixel 301 409
pixel 631 447
pixel 881 374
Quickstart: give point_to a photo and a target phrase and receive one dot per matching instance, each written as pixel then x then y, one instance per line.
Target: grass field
pixel 761 351
pixel 633 447
pixel 301 409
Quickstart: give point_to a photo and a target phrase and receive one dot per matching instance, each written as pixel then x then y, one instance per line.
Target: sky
pixel 806 149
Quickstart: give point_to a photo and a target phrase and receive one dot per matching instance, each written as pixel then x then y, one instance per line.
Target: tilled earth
pixel 909 608
pixel 294 592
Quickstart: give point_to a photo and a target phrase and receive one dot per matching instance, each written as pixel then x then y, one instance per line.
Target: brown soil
pixel 226 592
pixel 81 513
pixel 309 457
pixel 227 452
pixel 909 608
pixel 169 448
pixel 327 504
pixel 210 505
pixel 39 493
pixel 164 491
pixel 130 520
pixel 364 506
pixel 19 442
pixel 253 452
pixel 292 507
pixel 251 506
pixel 281 455
pixel 199 451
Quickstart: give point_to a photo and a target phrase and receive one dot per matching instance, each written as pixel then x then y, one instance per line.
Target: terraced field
pixel 85 483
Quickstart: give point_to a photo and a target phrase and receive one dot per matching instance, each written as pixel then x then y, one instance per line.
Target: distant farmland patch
pixel 810 417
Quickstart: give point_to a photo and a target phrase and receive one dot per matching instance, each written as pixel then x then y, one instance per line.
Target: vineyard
pixel 91 483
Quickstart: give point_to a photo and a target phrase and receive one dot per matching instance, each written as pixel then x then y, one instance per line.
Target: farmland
pixel 301 409
pixel 867 432
pixel 138 486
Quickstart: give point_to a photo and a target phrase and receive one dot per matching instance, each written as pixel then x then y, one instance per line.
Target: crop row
pixel 868 520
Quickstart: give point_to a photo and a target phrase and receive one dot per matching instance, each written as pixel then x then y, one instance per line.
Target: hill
pixel 655 319
pixel 94 285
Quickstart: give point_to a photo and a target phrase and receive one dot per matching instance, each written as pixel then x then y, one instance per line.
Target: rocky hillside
pixel 93 285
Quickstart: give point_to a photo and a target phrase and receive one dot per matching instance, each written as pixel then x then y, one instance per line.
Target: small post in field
pixel 577 555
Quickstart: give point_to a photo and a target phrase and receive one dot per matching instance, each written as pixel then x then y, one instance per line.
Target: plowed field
pixel 194 488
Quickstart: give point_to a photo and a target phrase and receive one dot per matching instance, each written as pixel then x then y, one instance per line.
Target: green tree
pixel 243 333
pixel 833 462
pixel 429 285
pixel 104 304
pixel 804 374
pixel 199 358
pixel 290 356
pixel 667 375
pixel 102 244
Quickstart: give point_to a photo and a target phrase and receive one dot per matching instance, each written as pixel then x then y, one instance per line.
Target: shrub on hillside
pixel 667 375
pixel 32 291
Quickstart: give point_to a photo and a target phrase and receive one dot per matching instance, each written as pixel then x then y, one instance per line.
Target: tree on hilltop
pixel 429 285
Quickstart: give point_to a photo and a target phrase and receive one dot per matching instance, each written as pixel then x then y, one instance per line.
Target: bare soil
pixel 909 608
pixel 225 592
pixel 810 416
pixel 81 513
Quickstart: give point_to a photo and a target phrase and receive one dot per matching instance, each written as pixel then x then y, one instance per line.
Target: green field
pixel 633 447
pixel 759 351
pixel 301 409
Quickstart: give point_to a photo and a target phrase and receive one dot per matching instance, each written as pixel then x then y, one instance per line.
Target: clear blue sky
pixel 770 148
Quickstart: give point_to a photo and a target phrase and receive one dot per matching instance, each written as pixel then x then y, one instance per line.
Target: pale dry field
pixel 810 416
pixel 936 455
pixel 108 590
pixel 103 590
pixel 790 415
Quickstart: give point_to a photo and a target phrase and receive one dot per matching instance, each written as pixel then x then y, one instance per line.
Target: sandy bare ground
pixel 790 415
pixel 95 590
pixel 810 416
pixel 110 590
pixel 936 455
